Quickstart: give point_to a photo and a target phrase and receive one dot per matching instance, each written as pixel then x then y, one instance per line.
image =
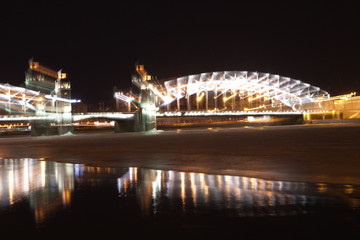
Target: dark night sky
pixel 98 42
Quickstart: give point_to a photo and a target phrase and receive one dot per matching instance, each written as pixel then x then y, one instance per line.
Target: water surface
pixel 49 199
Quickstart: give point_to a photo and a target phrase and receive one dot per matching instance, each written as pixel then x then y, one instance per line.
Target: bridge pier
pixel 144 120
pixel 127 125
pixel 48 127
pixel 147 114
pixel 43 127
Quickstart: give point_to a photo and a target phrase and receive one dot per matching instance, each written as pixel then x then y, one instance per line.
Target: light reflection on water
pixel 46 186
pixel 243 195
pixel 50 187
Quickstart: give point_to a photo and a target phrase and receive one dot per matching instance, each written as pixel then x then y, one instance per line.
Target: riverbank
pixel 326 153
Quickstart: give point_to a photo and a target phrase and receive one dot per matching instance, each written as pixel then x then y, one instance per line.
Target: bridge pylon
pixel 145 118
pixel 53 108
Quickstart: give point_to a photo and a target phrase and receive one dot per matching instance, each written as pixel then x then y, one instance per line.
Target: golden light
pixel 227 98
pixel 202 94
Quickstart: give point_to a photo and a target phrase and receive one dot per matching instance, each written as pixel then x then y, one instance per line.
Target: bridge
pixel 75 116
pixel 233 91
pixel 242 95
pixel 45 100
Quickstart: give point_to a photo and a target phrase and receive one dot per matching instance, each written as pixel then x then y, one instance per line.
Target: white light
pixel 56 98
pixel 67 109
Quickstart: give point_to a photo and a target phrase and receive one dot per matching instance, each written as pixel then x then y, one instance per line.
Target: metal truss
pixel 272 90
pixel 18 100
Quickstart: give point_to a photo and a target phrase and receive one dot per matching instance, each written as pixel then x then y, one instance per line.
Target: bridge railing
pixel 225 113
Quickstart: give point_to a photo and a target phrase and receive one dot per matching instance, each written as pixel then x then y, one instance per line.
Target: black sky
pixel 98 42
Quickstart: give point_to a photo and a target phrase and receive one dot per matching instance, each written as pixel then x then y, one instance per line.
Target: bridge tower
pixel 63 108
pixel 146 117
pixel 56 86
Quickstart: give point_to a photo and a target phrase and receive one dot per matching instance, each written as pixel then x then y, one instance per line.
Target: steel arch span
pixel 237 90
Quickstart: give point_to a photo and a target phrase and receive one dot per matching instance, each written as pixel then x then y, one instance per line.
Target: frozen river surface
pixel 312 153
